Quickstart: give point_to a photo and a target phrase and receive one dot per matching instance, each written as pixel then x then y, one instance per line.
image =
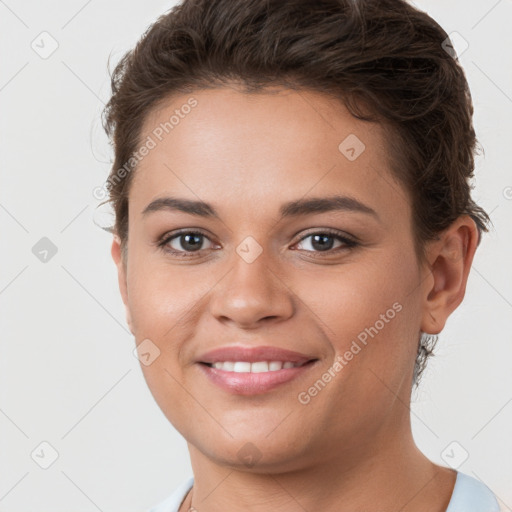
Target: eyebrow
pixel 290 209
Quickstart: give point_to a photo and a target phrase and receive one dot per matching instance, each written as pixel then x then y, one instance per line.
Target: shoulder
pixel 471 495
pixel 172 502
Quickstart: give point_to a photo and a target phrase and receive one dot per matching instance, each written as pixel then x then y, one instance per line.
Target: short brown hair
pixel 384 59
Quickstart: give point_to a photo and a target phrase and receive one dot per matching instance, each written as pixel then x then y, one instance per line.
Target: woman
pixel 293 227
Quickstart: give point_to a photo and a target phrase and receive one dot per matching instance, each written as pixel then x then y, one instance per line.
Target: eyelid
pixel 348 242
pixel 167 237
pixel 330 231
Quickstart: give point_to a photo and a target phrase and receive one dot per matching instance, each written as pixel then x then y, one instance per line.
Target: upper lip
pixel 253 354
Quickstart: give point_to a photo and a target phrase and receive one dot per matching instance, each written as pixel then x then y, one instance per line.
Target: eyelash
pixel 348 242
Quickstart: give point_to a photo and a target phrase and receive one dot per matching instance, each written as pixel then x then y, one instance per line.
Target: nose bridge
pixel 251 291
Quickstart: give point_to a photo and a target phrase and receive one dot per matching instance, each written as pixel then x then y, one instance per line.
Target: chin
pixel 254 454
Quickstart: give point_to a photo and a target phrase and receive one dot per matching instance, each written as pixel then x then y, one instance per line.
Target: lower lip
pixel 253 383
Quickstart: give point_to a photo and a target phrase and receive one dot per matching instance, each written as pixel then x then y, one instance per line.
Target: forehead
pixel 222 145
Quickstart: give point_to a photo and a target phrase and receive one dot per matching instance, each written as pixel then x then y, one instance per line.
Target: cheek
pixel 162 297
pixel 368 309
pixel 370 318
pixel 164 307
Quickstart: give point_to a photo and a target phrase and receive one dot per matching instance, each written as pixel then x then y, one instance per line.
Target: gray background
pixel 68 376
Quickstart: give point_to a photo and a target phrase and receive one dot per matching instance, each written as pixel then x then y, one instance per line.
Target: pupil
pixel 192 245
pixel 321 245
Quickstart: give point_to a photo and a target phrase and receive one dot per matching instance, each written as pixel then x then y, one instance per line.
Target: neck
pixel 388 474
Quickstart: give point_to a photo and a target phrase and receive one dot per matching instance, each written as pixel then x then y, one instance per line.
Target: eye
pixel 323 241
pixel 186 242
pixel 183 243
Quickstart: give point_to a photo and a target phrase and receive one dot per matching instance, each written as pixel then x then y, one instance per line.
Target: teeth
pixel 242 367
pixel 257 367
pixel 275 365
pixel 262 366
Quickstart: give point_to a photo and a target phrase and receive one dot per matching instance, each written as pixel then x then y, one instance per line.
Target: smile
pixel 246 378
pixel 256 367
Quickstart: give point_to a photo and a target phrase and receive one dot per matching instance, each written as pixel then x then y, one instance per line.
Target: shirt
pixel 468 495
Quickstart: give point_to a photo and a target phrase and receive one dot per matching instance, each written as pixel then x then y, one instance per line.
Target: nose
pixel 251 294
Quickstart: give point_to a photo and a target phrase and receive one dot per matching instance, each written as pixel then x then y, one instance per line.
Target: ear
pixel 121 277
pixel 450 258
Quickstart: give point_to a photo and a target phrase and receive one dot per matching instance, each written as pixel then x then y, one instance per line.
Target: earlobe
pixel 121 277
pixel 451 257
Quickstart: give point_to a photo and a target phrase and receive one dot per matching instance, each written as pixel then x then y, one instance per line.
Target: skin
pixel 246 154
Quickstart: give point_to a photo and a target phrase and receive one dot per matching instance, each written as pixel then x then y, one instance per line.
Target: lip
pixel 253 383
pixel 253 355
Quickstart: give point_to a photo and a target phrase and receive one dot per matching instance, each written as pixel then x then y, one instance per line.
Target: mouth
pixel 252 370
pixel 253 378
pixel 255 367
pixel 240 354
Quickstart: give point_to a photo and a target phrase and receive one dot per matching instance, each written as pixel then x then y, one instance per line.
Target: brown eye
pixel 323 241
pixel 184 242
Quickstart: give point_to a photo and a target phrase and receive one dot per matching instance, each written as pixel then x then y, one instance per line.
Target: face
pixel 264 265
